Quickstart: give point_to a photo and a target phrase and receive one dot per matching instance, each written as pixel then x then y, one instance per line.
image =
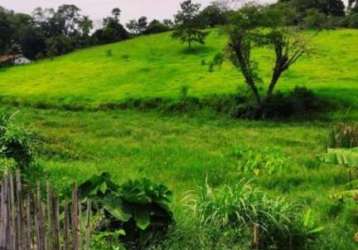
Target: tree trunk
pixel 276 75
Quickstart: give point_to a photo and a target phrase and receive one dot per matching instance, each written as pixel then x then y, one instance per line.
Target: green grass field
pixel 184 151
pixel 158 66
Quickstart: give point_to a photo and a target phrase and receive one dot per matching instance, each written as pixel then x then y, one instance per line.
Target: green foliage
pixel 246 33
pixel 139 26
pixel 344 157
pixel 213 15
pixel 267 161
pixel 107 241
pixel 314 19
pixel 182 151
pixel 155 27
pixel 140 208
pixel 343 135
pixel 15 143
pixel 242 207
pixel 328 7
pixel 352 20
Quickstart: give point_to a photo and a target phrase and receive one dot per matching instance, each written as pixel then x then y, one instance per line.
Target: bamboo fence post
pixel 55 223
pixel 2 215
pixel 88 226
pixel 28 223
pixel 12 206
pixel 66 228
pixel 40 222
pixel 75 219
pixel 19 212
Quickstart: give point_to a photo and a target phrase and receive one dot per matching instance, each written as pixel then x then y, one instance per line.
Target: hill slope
pixel 156 65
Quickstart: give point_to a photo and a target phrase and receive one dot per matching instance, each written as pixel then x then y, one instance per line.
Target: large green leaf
pixel 142 218
pixel 115 207
pixel 97 186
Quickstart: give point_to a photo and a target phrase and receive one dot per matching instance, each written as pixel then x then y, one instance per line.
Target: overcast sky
pixel 97 9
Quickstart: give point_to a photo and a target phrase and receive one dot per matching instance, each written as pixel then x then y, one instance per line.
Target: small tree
pixel 137 27
pixel 245 35
pixel 142 24
pixel 188 26
pixel 287 52
pixel 116 12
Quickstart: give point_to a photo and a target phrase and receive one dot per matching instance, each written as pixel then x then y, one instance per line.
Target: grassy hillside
pixel 156 65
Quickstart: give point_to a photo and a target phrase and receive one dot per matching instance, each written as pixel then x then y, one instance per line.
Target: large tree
pixel 188 25
pixel 6 30
pixel 213 15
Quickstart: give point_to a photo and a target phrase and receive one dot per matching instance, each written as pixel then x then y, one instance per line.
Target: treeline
pixel 50 32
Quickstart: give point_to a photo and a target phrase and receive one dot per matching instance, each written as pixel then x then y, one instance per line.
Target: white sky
pixel 97 9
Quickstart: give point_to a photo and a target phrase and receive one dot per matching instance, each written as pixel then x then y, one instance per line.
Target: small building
pixel 20 60
pixel 13 59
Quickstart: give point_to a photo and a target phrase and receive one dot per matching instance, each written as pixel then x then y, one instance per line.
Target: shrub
pixel 107 241
pixel 261 162
pixel 140 208
pixel 16 151
pixel 300 102
pixel 343 135
pixel 274 223
pixel 15 143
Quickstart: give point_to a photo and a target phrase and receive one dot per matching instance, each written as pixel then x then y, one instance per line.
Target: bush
pixel 272 223
pixel 15 143
pixel 155 27
pixel 265 161
pixel 140 208
pixel 300 102
pixel 343 135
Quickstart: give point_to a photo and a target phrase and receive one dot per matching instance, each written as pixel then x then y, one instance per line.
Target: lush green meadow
pixel 158 66
pixel 185 151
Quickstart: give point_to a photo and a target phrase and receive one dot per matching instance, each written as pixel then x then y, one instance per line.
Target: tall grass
pixel 344 135
pixel 247 213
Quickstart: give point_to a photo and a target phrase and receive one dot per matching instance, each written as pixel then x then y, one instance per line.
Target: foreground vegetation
pixel 184 153
pixel 284 183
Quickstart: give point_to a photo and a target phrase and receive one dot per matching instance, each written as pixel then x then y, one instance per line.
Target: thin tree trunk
pixel 275 76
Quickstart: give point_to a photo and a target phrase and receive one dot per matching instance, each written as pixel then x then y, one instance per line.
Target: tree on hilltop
pixel 188 25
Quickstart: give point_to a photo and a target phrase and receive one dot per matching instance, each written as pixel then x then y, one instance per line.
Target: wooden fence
pixel 39 221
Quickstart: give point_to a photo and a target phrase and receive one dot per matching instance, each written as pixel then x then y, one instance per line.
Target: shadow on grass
pixel 344 97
